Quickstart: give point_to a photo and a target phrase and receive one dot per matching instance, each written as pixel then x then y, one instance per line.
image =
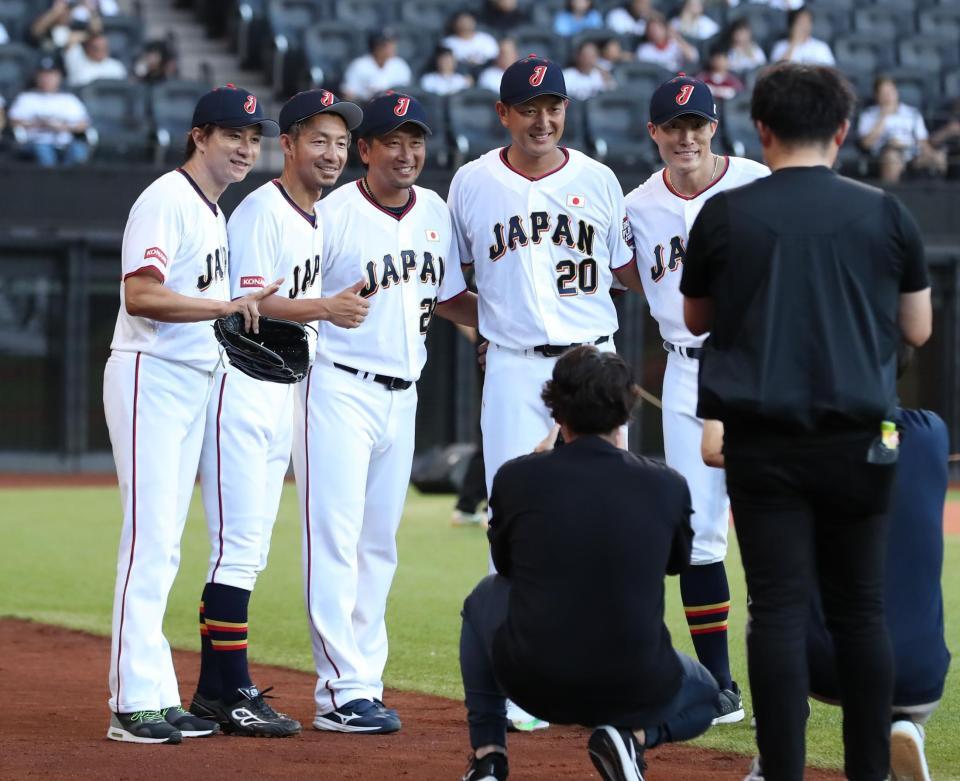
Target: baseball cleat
pixel 729 706
pixel 190 726
pixel 907 760
pixel 142 726
pixel 616 754
pixel 250 716
pixel 755 773
pixel 518 720
pixel 358 716
pixel 493 767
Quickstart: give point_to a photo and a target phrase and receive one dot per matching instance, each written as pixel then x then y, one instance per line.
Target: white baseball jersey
pixel 544 248
pixel 409 264
pixel 271 237
pixel 660 219
pixel 174 229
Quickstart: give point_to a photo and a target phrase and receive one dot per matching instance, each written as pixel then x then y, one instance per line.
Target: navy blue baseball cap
pixel 304 105
pixel 531 77
pixel 388 111
pixel 682 95
pixel 232 106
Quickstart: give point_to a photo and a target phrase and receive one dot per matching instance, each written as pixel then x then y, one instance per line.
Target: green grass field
pixel 60 558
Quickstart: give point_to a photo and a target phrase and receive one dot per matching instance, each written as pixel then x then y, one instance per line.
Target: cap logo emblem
pixel 402 105
pixel 536 78
pixel 683 96
pixel 326 98
pixel 250 105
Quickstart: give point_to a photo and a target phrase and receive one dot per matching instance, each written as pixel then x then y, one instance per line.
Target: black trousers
pixel 805 512
pixel 685 717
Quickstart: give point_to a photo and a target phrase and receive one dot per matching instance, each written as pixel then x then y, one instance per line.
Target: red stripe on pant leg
pixel 306 461
pixel 223 386
pixel 133 541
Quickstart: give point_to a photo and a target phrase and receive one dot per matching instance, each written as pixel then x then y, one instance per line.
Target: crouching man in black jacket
pixel 572 628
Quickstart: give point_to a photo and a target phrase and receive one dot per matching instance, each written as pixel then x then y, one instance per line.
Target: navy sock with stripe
pixel 208 684
pixel 225 621
pixel 706 603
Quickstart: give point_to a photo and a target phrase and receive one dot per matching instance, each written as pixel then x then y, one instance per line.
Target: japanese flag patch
pixel 576 200
pixel 433 235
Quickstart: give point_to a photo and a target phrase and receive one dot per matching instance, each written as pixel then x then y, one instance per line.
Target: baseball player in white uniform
pixel 274 233
pixel 156 385
pixel 683 120
pixel 546 230
pixel 356 411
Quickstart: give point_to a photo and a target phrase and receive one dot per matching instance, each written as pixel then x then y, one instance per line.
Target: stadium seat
pixel 532 39
pixel 883 22
pixel 17 63
pixel 951 83
pixel 575 127
pixel 328 48
pixel 16 15
pixel 862 51
pixel 117 111
pixel 288 20
pixel 411 46
pixel 474 124
pixel 644 77
pixel 929 53
pixel 431 15
pixel 617 128
pixel 768 24
pixel 248 31
pixel 366 15
pixel 739 133
pixel 171 107
pixel 125 34
pixel 943 21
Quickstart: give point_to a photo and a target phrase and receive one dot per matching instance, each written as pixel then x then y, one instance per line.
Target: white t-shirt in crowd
pixel 622 22
pixel 490 78
pixel 669 56
pixel 59 107
pixel 82 70
pixel 812 51
pixel 364 78
pixel 700 29
pixel 905 128
pixel 746 62
pixel 439 84
pixel 481 48
pixel 582 86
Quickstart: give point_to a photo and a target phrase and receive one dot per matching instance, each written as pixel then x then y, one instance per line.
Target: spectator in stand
pixel 946 137
pixel 630 19
pixel 50 121
pixel 800 46
pixel 377 71
pixel 157 62
pixel 722 83
pixel 442 78
pixel 4 35
pixel 744 52
pixel 665 47
pixel 3 114
pixel 896 135
pixel 578 16
pixel 55 27
pixel 585 78
pixel 90 60
pixel 782 5
pixel 506 56
pixel 692 23
pixel 468 44
pixel 502 16
pixel 612 54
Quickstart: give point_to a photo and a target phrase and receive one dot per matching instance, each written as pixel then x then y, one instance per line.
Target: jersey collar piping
pixel 311 218
pixel 666 182
pixel 210 204
pixel 506 162
pixel 406 209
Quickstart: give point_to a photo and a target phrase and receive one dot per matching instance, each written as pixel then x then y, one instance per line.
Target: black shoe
pixel 143 726
pixel 358 716
pixel 190 725
pixel 729 706
pixel 493 767
pixel 251 716
pixel 380 704
pixel 616 754
pixel 209 710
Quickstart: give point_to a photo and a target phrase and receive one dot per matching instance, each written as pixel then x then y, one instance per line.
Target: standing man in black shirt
pixel 571 629
pixel 802 279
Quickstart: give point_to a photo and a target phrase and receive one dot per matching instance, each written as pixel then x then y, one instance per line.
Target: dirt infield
pixel 57 680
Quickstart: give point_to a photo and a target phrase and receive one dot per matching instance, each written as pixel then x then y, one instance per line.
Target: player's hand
pixel 248 305
pixel 348 309
pixel 549 441
pixel 482 348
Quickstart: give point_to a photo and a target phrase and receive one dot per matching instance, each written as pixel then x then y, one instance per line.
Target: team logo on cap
pixel 250 105
pixel 536 78
pixel 683 96
pixel 326 98
pixel 402 105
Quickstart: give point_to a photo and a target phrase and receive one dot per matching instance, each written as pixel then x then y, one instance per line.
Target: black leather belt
pixel 688 352
pixel 555 350
pixel 391 383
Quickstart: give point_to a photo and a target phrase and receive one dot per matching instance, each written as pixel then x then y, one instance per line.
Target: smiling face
pixel 535 126
pixel 684 142
pixel 229 153
pixel 316 150
pixel 394 161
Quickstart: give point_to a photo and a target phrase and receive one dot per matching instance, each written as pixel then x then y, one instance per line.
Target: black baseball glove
pixel 279 353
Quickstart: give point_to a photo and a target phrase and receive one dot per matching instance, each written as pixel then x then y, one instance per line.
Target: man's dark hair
pixel 191 145
pixel 802 104
pixel 591 392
